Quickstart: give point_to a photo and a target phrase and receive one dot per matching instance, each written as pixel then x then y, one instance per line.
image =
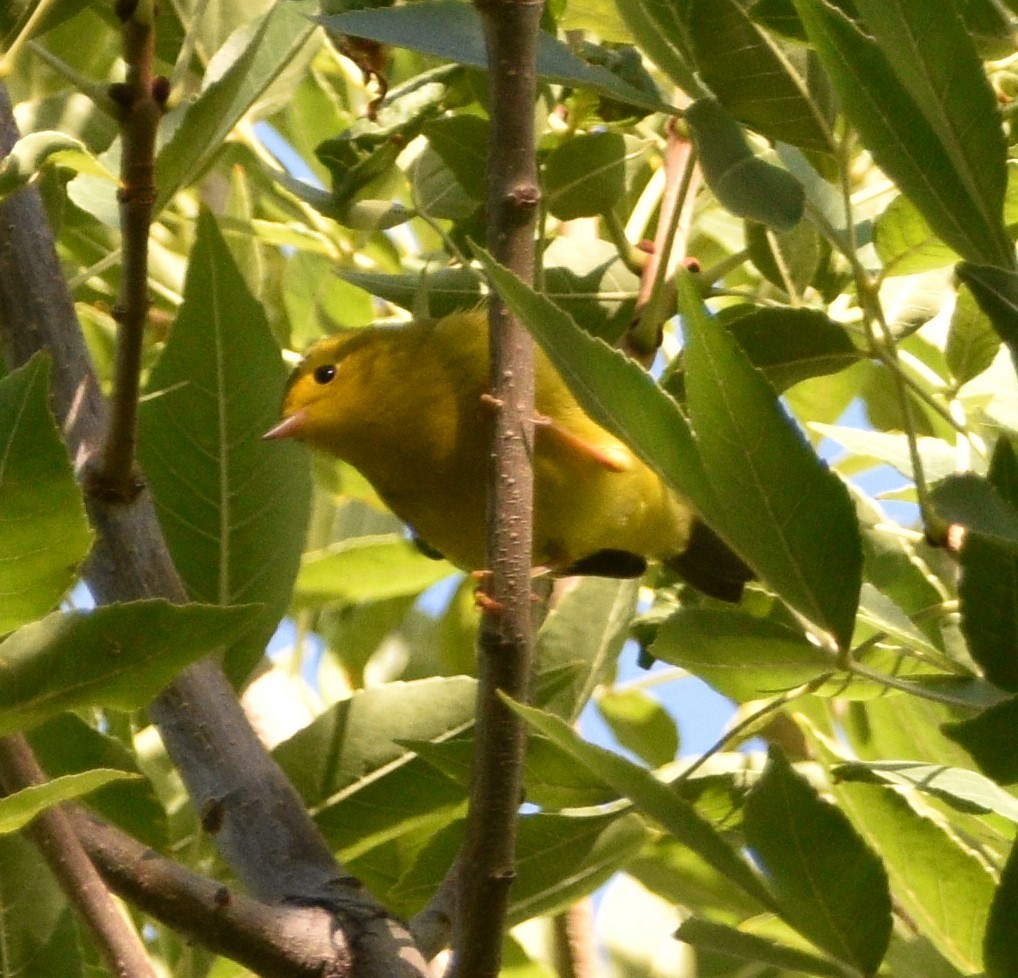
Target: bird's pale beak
pixel 287 428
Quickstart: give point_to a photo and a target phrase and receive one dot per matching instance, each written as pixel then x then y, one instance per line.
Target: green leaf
pixel 722 939
pixel 988 589
pixel 1000 951
pixel 371 568
pixel 436 190
pixel 934 58
pixel 243 69
pixel 975 502
pixel 760 81
pixel 787 345
pixel 905 143
pixel 452 31
pixel 446 289
pixel 941 883
pixel 44 534
pixel 996 292
pixel 563 858
pixel 661 29
pixel 586 176
pixel 233 507
pixel 462 143
pixel 743 657
pixel 640 724
pixel 38 149
pixel 586 278
pixel 585 630
pixel 990 738
pixel 964 790
pixel 656 800
pixel 789 259
pixel 362 739
pixel 785 513
pixel 972 342
pixel 65 744
pixel 19 808
pixel 117 656
pixel 743 183
pixel 938 457
pixel 40 934
pixel 905 243
pixel 830 886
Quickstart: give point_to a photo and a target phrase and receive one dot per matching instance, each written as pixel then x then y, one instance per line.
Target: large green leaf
pixel 743 183
pixel 117 656
pixel 66 744
pixel 362 739
pixel 787 515
pixel 934 58
pixel 787 345
pixel 830 886
pixel 742 656
pixel 41 937
pixel 656 800
pixel 233 507
pixel 43 531
pixel 989 737
pixel 919 155
pixel 38 149
pixel 587 175
pixel 962 789
pixel 640 724
pixel 761 81
pixel 452 30
pixel 941 883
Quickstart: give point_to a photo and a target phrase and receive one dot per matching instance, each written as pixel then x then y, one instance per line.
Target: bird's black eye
pixel 325 373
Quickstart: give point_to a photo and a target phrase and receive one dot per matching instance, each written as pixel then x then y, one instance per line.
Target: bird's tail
pixel 710 565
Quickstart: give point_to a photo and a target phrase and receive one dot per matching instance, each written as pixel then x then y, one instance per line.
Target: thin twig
pixel 574 945
pixel 656 301
pixel 141 99
pixel 59 846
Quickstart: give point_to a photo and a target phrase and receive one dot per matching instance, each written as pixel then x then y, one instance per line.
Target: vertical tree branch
pixel 58 844
pixel 487 867
pixel 140 99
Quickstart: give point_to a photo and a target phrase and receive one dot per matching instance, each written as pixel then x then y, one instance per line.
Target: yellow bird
pixel 406 406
